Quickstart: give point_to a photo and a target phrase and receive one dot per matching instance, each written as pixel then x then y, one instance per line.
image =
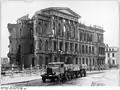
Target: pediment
pixel 64 10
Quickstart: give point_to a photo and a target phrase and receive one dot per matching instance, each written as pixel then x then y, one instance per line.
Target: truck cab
pixel 53 71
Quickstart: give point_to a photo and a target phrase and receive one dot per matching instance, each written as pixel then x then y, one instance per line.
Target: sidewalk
pixel 95 72
pixel 16 79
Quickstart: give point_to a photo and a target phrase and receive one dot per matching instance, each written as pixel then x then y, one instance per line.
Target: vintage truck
pixel 60 71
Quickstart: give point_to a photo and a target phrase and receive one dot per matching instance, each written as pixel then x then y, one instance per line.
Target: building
pixel 4 60
pixel 111 56
pixel 58 36
pixel 21 47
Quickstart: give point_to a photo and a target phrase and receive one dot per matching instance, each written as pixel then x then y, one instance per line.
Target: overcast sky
pixel 104 14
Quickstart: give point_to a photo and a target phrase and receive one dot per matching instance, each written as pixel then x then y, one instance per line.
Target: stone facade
pixel 21 47
pixel 111 55
pixel 58 36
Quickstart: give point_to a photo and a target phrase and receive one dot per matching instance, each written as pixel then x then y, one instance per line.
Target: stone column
pixel 81 60
pixel 88 60
pixel 85 60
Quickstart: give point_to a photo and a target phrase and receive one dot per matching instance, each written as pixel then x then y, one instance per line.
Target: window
pixel 108 61
pixel 40 45
pixel 54 28
pixel 82 48
pixel 76 60
pixel 108 55
pixel 55 59
pixel 86 61
pixel 92 50
pixel 86 49
pixel 61 45
pixel 113 55
pixel 55 45
pixel 76 48
pixel 93 61
pixel 46 45
pixel 109 49
pixel 113 61
pixel 89 50
pixel 66 46
pixel 83 62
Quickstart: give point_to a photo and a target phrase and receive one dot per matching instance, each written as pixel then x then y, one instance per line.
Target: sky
pixel 101 13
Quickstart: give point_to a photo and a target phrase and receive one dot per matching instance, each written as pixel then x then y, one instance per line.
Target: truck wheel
pixel 69 77
pixel 76 75
pixel 72 76
pixel 44 80
pixel 66 77
pixel 58 78
pixel 53 79
pixel 81 75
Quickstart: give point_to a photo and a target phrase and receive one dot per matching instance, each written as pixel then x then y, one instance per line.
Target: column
pixel 81 60
pixel 84 60
pixel 68 46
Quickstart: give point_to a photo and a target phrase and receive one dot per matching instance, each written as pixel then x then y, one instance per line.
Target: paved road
pixel 108 78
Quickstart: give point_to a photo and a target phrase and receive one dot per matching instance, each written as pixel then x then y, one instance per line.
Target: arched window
pixel 40 45
pixel 61 46
pixel 82 48
pixel 89 50
pixel 87 61
pixel 46 45
pixel 83 62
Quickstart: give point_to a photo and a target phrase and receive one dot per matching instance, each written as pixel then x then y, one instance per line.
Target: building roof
pixel 63 10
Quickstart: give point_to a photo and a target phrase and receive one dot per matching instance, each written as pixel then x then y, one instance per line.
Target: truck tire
pixel 58 79
pixel 53 80
pixel 76 75
pixel 80 74
pixel 44 80
pixel 69 77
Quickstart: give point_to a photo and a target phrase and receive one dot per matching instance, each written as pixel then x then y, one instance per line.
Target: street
pixel 105 78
